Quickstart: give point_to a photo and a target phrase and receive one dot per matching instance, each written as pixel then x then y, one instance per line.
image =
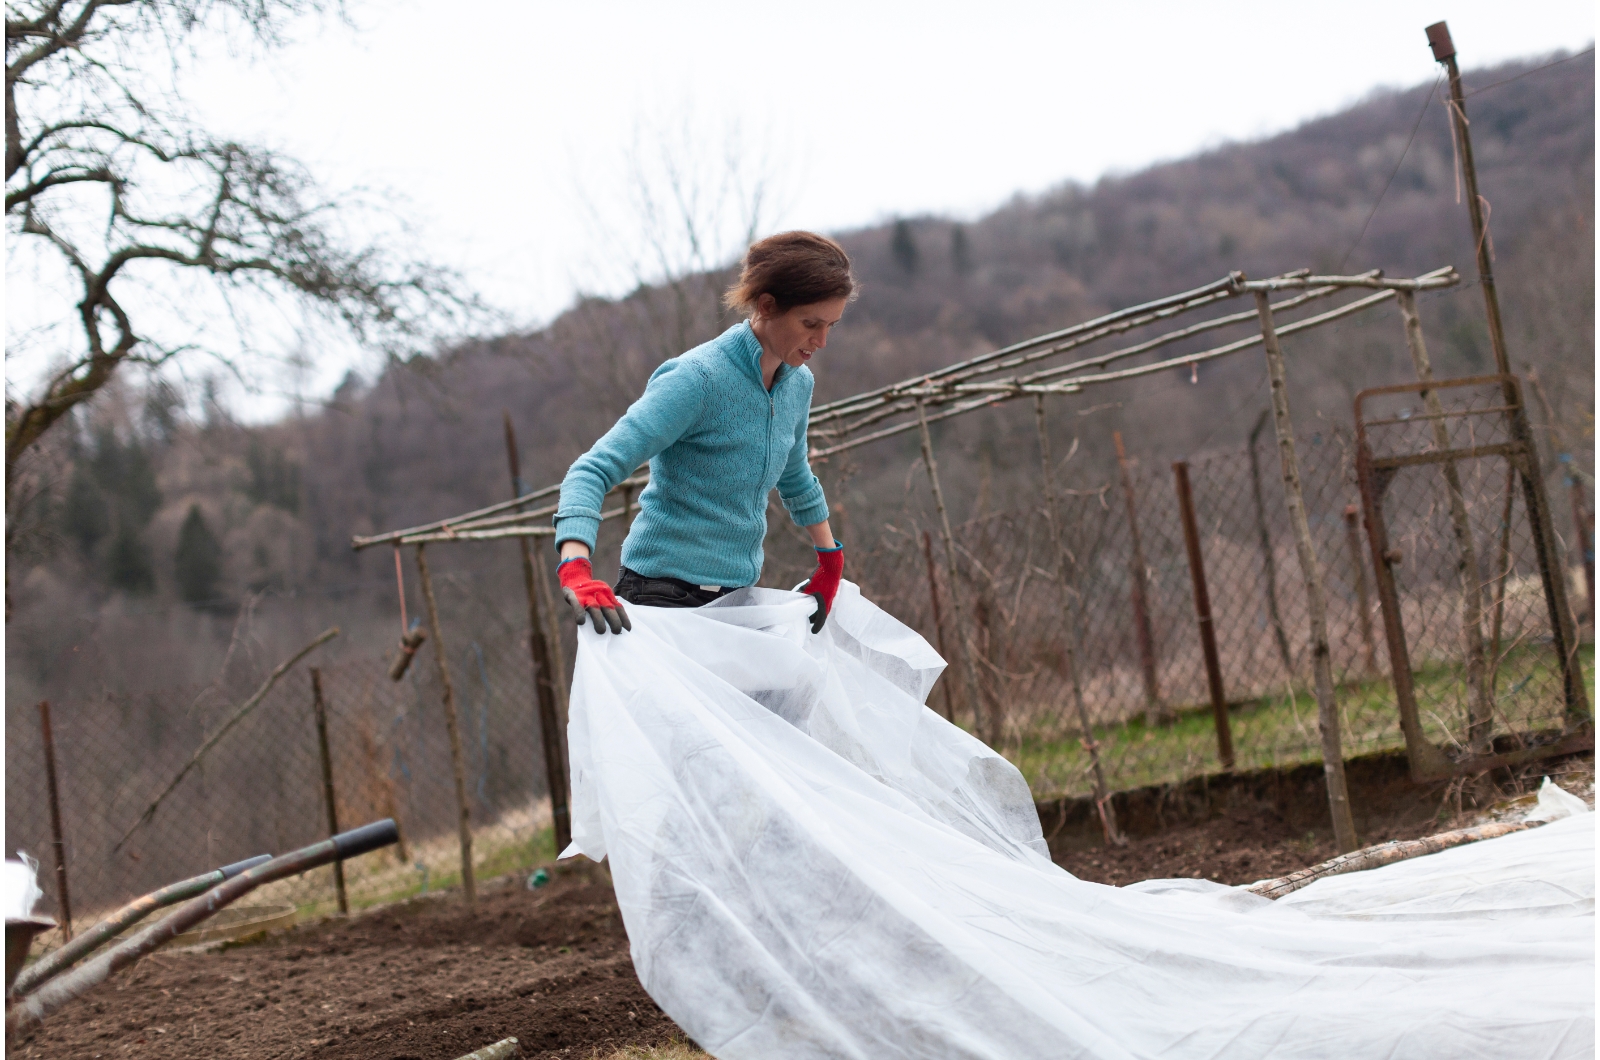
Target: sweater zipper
pixel 766 462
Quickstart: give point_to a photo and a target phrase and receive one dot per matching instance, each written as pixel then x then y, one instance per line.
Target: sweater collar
pixel 741 343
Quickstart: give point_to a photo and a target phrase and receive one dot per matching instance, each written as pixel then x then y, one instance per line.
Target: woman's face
pixel 796 335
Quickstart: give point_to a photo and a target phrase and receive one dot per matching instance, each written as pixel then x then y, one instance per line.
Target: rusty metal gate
pixel 1487 667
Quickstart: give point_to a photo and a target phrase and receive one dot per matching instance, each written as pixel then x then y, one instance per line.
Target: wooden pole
pixel 1202 614
pixel 1344 830
pixel 1155 711
pixel 1469 575
pixel 469 883
pixel 555 773
pixel 1581 517
pixel 1069 613
pixel 938 618
pixel 1358 576
pixel 1502 572
pixel 321 712
pixel 1551 570
pixel 1269 562
pixel 63 896
pixel 969 650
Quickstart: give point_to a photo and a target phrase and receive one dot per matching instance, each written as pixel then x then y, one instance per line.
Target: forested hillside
pixel 166 517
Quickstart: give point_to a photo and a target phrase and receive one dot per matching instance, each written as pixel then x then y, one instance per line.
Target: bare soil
pixel 427 980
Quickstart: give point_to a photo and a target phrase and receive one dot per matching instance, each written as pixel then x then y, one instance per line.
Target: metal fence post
pixel 938 617
pixel 969 649
pixel 63 897
pixel 1358 571
pixel 321 711
pixel 1155 712
pixel 1069 608
pixel 1321 662
pixel 1202 614
pixel 544 676
pixel 469 884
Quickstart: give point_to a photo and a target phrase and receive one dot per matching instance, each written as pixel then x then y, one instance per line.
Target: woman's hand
pixel 591 598
pixel 824 582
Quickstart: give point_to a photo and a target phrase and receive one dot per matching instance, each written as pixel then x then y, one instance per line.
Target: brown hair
pixel 795 268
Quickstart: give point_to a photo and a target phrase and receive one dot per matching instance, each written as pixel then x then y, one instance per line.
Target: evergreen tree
pixel 904 248
pixel 198 559
pixel 85 516
pixel 960 250
pixel 128 565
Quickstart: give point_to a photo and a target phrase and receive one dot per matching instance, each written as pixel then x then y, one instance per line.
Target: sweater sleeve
pixel 664 413
pixel 798 488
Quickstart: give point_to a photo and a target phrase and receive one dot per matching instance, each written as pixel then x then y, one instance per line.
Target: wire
pixel 1529 73
pixel 1395 172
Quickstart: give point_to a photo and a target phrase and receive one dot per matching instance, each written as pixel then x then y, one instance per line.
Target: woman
pixel 721 426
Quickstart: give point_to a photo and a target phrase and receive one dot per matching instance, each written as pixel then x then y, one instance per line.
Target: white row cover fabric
pixel 812 864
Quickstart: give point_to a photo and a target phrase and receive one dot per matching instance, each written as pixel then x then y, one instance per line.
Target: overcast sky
pixel 502 126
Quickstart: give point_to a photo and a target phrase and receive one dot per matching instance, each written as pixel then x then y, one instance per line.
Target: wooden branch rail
pixel 444 526
pixel 1386 854
pixel 956 389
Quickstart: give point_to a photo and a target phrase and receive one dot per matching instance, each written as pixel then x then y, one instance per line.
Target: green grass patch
pixel 1280 731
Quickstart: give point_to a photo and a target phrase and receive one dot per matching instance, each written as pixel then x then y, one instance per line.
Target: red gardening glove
pixel 824 582
pixel 590 597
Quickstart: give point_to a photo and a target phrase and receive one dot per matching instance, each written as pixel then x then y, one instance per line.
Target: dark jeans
pixel 665 592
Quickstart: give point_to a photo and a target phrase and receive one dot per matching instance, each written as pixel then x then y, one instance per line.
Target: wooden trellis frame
pixel 1038 367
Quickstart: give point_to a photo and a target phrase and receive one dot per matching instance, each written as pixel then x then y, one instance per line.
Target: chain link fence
pixel 261 791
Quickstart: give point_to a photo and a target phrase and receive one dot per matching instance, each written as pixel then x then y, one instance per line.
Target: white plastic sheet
pixel 810 863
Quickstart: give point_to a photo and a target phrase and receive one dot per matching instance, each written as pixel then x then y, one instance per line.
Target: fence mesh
pixel 1023 602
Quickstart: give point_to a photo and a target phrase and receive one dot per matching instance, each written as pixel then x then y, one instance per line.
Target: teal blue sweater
pixel 718 442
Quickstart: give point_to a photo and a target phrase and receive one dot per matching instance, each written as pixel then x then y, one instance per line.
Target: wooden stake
pixel 1065 567
pixel 321 712
pixel 969 652
pixel 938 618
pixel 1155 712
pixel 1469 575
pixel 1502 572
pixel 1268 560
pixel 63 897
pixel 1202 614
pixel 469 883
pixel 550 733
pixel 1344 830
pixel 1552 572
pixel 1358 574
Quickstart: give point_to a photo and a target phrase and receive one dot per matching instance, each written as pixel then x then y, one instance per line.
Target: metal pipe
pixel 58 960
pixel 63 897
pixel 321 711
pixel 1154 710
pixel 1202 614
pixel 30 1011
